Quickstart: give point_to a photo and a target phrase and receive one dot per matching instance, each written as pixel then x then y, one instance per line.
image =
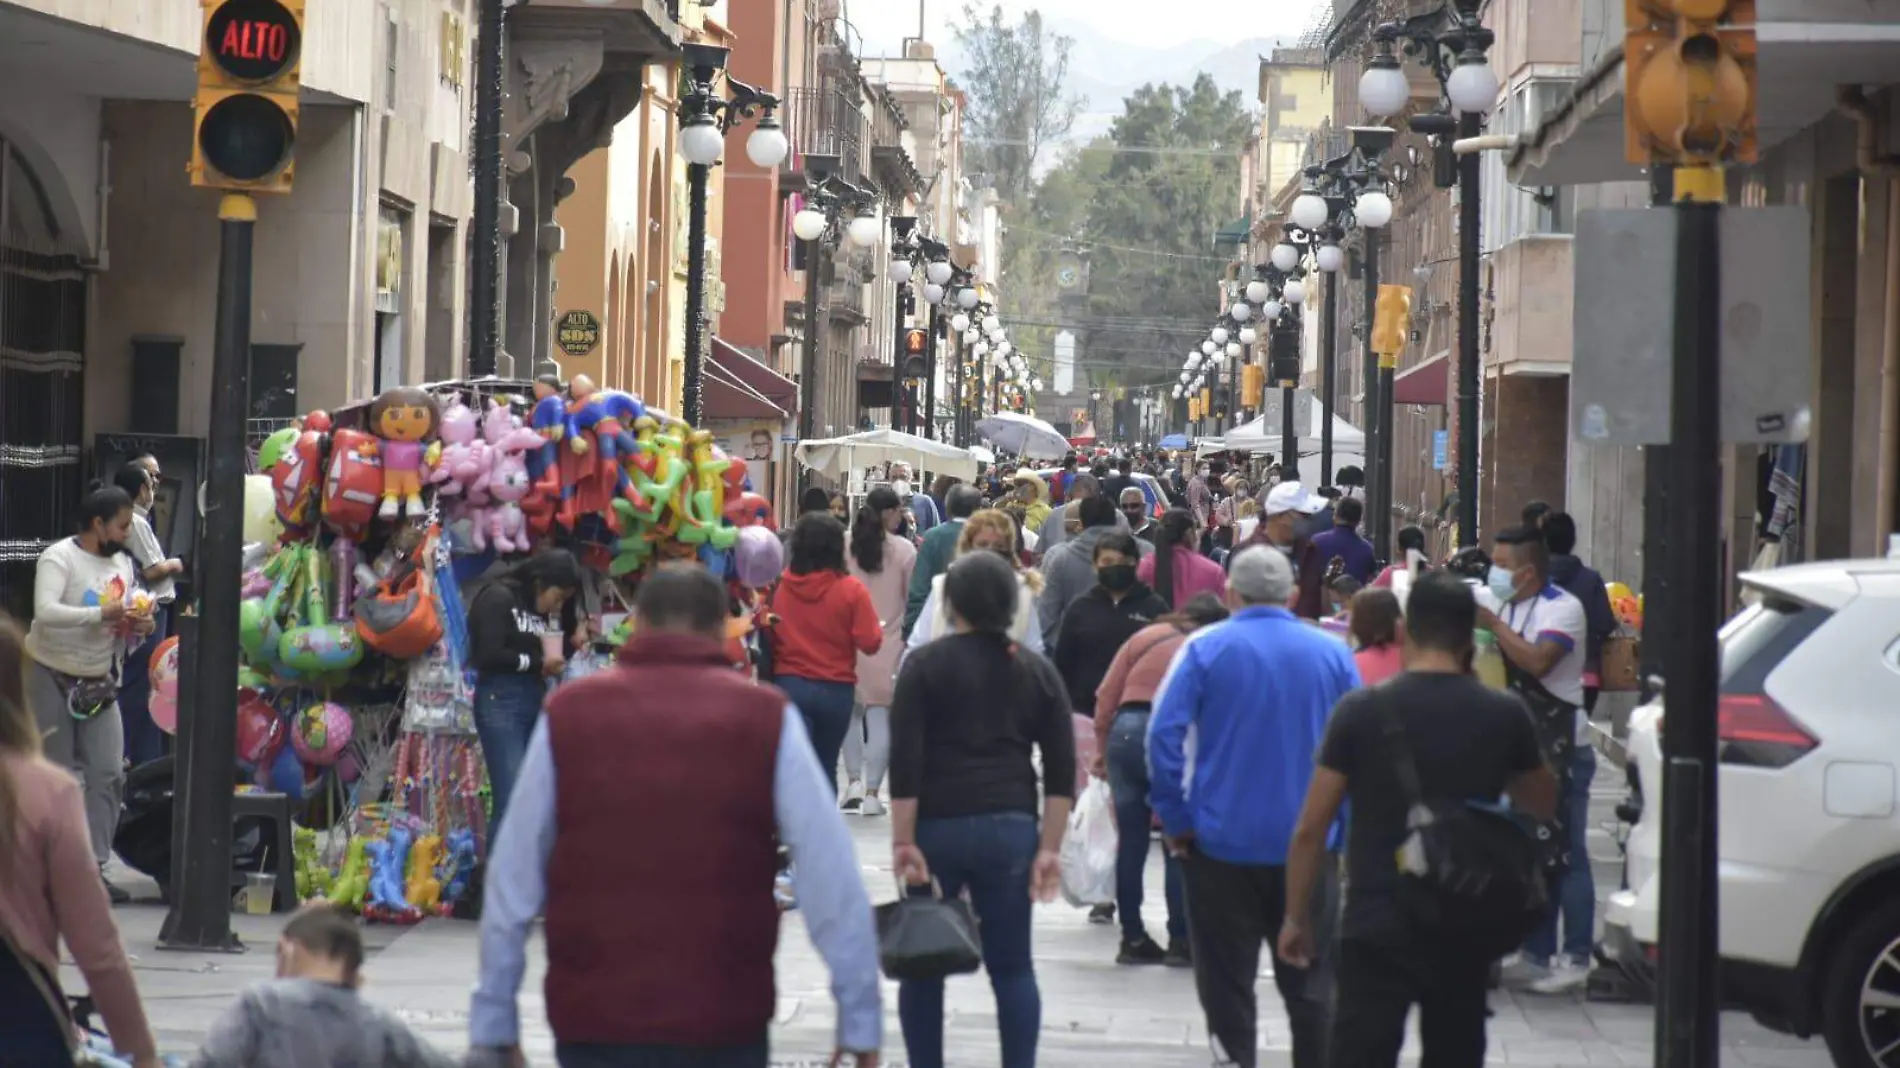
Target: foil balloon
pixel 716 560
pixel 758 557
pixel 320 732
pixel 260 511
pixel 260 731
pixel 164 710
pixel 162 670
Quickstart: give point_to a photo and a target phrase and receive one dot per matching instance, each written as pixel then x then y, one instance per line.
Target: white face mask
pixel 901 488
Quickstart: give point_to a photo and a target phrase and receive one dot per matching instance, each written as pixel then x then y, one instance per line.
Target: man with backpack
pixel 1423 924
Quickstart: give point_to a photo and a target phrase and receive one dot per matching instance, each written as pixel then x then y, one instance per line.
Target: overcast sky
pixel 885 23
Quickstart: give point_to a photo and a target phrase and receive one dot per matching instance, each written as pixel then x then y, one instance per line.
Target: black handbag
pixel 1469 873
pixel 927 936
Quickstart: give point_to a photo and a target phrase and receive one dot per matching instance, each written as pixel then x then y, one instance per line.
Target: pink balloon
pixel 164 709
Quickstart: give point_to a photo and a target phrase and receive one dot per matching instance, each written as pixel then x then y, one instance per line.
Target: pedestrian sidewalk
pixel 1095 1014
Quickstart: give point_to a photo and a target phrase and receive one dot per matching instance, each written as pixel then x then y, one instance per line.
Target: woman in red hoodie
pixel 824 620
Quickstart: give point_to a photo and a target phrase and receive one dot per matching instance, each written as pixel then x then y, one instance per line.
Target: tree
pixel 1017 107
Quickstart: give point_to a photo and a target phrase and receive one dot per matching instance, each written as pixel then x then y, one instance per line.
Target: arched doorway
pixel 42 376
pixel 610 330
pixel 658 249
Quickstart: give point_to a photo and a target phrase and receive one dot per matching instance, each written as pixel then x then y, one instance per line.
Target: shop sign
pixel 578 333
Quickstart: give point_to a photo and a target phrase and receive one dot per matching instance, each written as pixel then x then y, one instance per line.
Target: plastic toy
pixel 352 483
pixel 405 420
pixel 424 889
pixel 315 644
pixel 320 732
pixel 460 864
pixel 352 880
pixel 463 460
pixel 388 861
pixel 313 879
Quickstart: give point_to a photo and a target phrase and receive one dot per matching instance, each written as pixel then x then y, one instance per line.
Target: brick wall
pixel 1526 420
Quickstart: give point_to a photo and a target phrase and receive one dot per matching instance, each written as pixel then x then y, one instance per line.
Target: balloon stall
pixel 354 694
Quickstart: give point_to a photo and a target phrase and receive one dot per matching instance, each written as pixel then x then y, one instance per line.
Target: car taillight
pixel 1757 732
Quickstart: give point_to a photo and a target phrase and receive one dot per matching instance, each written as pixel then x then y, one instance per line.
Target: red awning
pixel 1428 383
pixel 740 387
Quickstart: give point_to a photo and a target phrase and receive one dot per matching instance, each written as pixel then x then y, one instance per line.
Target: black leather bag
pixel 926 936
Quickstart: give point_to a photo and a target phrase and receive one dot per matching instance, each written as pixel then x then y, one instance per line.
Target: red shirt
pixel 825 620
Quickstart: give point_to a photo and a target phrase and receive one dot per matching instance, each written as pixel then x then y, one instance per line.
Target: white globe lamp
pixel 1258 291
pixel 938 272
pixel 1219 334
pixel 1285 257
pixel 1309 211
pixel 767 147
pixel 1373 209
pixel 932 292
pixel 701 142
pixel 959 322
pixel 1207 348
pixel 809 224
pixel 1330 258
pixel 864 230
pixel 1272 310
pixel 1383 89
pixel 1473 86
pixel 1295 292
pixel 1240 312
pixel 900 271
pixel 1248 335
pixel 966 298
pixel 1233 348
pixel 991 324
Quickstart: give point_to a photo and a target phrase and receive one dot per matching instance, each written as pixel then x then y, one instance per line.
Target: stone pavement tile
pixel 1812 1055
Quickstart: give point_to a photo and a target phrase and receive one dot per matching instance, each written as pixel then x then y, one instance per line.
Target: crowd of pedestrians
pixel 1242 669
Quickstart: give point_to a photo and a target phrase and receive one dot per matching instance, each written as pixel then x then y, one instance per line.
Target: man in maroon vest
pixel 645 825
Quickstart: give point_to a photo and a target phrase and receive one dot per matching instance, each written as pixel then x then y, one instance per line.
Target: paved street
pixel 1095 1014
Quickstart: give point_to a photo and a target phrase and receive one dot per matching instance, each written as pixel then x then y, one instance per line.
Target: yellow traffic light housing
pixel 1689 81
pixel 250 67
pixel 1391 323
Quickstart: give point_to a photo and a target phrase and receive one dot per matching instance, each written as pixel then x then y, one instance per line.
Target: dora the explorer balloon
pixel 405 419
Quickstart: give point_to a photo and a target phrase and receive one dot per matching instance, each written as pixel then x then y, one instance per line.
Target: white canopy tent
pixel 847 457
pixel 1262 434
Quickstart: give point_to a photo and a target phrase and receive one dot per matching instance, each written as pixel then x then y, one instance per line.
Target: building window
pixel 1510 212
pixel 391 39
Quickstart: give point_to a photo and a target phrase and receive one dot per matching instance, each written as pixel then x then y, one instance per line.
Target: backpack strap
pixel 1401 752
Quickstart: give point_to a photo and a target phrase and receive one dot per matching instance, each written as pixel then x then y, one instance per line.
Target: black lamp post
pixel 706 116
pixel 1451 42
pixel 821 223
pixel 913 254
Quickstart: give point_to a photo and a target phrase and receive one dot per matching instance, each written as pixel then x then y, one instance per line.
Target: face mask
pixel 1502 584
pixel 111 548
pixel 901 488
pixel 1116 577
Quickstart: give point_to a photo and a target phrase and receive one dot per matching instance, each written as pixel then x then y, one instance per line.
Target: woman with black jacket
pixel 969 709
pixel 509 623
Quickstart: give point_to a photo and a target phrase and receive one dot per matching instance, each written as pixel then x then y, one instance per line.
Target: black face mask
pixel 110 548
pixel 1135 515
pixel 1116 577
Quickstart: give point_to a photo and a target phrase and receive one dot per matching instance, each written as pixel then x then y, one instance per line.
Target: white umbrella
pixel 982 455
pixel 839 457
pixel 1024 435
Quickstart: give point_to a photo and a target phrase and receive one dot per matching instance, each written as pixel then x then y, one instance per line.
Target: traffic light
pixel 1253 384
pixel 1283 355
pixel 1689 81
pixel 249 69
pixel 1391 322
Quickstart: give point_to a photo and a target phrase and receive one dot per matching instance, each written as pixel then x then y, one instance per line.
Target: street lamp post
pixel 706 116
pixel 1451 42
pixel 817 224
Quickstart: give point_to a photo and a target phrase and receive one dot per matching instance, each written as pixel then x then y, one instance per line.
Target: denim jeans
pixel 143 740
pixel 506 708
pixel 990 855
pixel 1575 900
pixel 826 707
pixel 593 1055
pixel 1127 760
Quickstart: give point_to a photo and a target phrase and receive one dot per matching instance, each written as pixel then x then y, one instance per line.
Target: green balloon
pixel 273 448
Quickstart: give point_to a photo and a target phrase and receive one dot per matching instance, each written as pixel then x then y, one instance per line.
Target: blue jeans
pixel 506 708
pixel 143 740
pixel 1127 760
pixel 826 707
pixel 991 855
pixel 1575 899
pixel 591 1055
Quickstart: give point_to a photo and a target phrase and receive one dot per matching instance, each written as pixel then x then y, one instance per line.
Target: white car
pixel 1809 803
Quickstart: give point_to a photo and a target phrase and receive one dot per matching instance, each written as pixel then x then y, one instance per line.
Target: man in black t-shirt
pixel 1469 743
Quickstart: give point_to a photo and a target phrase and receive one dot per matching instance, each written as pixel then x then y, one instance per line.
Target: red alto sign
pixel 253 40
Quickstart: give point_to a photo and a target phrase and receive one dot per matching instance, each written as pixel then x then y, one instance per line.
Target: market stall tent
pixel 1262 434
pixel 842 457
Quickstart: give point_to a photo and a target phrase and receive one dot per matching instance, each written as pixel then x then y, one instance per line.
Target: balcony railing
pixel 826 121
pixel 845 298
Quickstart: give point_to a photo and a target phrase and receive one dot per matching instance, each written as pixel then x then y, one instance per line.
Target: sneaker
pixel 1565 976
pixel 853 796
pixel 872 806
pixel 1517 970
pixel 1179 955
pixel 1102 914
pixel 1142 950
pixel 119 895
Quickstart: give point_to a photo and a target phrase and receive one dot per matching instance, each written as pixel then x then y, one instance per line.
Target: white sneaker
pixel 872 806
pixel 1566 975
pixel 1515 970
pixel 853 796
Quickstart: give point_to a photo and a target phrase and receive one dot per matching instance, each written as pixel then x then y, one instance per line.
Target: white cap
pixel 1292 497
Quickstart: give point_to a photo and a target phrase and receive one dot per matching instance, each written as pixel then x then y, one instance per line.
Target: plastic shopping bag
pixel 1088 851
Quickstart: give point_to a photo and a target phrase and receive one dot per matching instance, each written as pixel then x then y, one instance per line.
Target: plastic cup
pixel 260 892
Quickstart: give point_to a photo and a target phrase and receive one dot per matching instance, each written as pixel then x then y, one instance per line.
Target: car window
pixel 1760 636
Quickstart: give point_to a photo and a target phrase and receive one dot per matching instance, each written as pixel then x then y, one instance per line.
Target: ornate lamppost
pixel 707 115
pixel 834 210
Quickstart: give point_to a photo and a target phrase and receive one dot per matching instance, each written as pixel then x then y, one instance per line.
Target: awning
pixel 1804 49
pixel 740 387
pixel 1428 383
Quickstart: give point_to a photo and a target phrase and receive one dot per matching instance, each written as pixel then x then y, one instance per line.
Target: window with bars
pixel 1510 212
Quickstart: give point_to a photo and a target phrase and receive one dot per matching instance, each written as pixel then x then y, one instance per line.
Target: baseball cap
pixel 1292 497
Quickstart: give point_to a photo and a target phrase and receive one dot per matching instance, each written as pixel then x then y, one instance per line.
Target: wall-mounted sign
pixel 578 333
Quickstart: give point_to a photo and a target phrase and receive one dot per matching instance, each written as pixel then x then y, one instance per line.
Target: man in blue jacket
pixel 1235 727
pixel 1568 573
